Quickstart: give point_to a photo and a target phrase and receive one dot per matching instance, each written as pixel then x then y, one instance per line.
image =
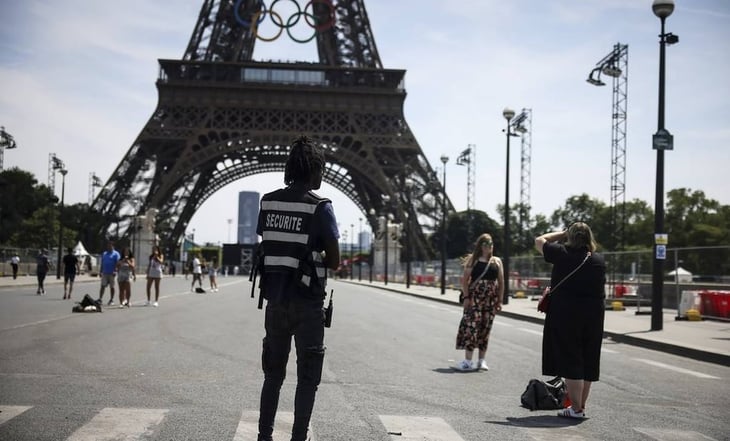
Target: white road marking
pixel 677 369
pixel 557 433
pixel 248 426
pixel 120 424
pixel 10 412
pixel 673 435
pixel 608 351
pixel 531 331
pixel 415 428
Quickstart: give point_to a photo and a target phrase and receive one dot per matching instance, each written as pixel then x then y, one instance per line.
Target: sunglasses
pixel 485 242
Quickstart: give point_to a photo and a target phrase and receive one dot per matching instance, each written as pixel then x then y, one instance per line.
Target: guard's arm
pixel 332 254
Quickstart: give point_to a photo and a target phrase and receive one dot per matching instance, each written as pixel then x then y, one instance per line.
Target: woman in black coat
pixel 573 329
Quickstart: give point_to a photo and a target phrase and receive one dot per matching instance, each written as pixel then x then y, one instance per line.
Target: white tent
pixel 80 251
pixel 680 275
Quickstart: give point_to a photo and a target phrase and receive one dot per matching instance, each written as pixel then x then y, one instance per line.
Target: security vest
pixel 287 245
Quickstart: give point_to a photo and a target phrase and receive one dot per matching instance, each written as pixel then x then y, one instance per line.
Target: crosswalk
pixel 133 424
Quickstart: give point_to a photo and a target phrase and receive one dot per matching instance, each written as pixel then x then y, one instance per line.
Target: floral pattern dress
pixel 476 323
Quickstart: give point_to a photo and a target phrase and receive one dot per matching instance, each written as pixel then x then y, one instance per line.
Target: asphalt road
pixel 190 370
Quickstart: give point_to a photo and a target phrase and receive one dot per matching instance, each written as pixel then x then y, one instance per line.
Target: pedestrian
pixel 42 267
pixel 172 269
pixel 213 275
pixel 15 262
pixel 71 267
pixel 154 274
pixel 125 273
pixel 294 223
pixel 197 269
pixel 573 327
pixel 483 288
pixel 108 271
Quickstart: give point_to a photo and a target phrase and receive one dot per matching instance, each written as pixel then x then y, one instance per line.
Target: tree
pixel 589 210
pixel 20 197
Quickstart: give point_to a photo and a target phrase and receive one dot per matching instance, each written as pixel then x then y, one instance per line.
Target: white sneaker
pixel 155 305
pixel 147 303
pixel 465 365
pixel 121 306
pixel 483 365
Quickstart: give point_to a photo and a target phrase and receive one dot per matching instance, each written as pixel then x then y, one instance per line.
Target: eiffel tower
pixel 221 116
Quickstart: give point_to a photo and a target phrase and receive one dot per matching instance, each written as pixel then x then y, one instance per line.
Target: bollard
pixel 693 315
pixel 617 306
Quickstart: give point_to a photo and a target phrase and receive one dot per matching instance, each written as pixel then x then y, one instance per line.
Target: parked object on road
pixel 87 304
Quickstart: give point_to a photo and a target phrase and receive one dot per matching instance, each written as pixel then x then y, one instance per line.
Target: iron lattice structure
pixel 525 130
pixel 616 66
pixel 221 116
pixel 468 157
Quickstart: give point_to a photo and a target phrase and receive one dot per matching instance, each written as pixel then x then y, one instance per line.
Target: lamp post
pixel 508 115
pixel 444 160
pixel 352 252
pixel 409 186
pixel 662 140
pixel 230 222
pixel 371 260
pixel 63 172
pixel 359 249
pixel 386 201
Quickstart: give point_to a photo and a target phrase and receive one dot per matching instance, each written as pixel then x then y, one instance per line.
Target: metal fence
pixel 629 275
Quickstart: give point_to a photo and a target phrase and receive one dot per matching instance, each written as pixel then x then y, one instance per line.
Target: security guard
pixel 300 240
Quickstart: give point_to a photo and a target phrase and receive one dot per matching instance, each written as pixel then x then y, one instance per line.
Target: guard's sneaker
pixel 482 365
pixel 465 365
pixel 155 305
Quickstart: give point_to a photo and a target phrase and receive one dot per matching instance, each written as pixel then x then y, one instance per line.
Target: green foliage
pixel 20 197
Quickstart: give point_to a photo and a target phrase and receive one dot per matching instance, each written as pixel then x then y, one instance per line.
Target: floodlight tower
pixel 6 142
pixel 524 128
pixel 469 158
pixel 616 66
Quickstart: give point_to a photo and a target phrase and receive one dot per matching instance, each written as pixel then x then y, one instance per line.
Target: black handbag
pixel 544 395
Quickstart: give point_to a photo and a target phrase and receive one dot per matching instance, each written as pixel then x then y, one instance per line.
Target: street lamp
pixel 352 252
pixel 508 115
pixel 230 221
pixel 63 172
pixel 372 241
pixel 409 186
pixel 386 201
pixel 662 140
pixel 6 142
pixel 444 160
pixel 359 254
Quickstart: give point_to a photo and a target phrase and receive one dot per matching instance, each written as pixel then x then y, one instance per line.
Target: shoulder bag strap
pixel 585 259
pixel 486 267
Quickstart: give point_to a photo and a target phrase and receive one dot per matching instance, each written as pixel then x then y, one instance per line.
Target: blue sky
pixel 77 78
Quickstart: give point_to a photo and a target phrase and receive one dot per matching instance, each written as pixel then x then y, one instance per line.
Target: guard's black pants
pixel 305 321
pixel 15 270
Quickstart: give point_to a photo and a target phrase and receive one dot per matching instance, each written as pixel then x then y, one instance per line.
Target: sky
pixel 77 78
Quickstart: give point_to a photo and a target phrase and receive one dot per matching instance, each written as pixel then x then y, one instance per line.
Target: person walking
pixel 197 269
pixel 15 262
pixel 213 276
pixel 108 271
pixel 42 267
pixel 71 267
pixel 483 288
pixel 297 226
pixel 125 273
pixel 573 327
pixel 154 274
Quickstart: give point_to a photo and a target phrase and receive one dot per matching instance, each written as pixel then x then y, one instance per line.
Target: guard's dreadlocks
pixel 306 159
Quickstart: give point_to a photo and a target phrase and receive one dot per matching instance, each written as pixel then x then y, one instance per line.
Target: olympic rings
pixel 309 17
pixel 255 27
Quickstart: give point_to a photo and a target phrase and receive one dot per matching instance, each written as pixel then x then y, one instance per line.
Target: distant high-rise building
pixel 248 215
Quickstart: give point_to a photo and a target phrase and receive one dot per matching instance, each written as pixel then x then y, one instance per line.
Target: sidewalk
pixel 704 340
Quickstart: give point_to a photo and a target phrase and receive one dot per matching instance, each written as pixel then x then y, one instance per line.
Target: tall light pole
pixel 371 260
pixel 6 142
pixel 508 115
pixel 359 249
pixel 63 172
pixel 352 247
pixel 409 186
pixel 662 140
pixel 386 202
pixel 230 222
pixel 444 160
